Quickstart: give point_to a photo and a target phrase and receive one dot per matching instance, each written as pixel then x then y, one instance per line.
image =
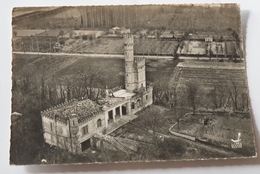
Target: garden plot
pixel 193 47
pixel 101 46
pixel 154 47
pixel 219 127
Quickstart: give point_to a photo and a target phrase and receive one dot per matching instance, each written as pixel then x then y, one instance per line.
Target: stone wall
pixel 92 127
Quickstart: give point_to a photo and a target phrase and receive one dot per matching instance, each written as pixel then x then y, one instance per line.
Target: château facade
pixel 73 124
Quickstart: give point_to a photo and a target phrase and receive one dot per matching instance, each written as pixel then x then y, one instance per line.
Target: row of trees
pixel 179 17
pixel 192 94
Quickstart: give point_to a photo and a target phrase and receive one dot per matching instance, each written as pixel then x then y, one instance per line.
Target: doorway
pixel 85 145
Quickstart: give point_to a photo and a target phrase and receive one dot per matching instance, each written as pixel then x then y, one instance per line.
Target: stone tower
pixel 134 67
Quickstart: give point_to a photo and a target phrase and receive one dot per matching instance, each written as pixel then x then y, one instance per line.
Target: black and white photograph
pixel 129 83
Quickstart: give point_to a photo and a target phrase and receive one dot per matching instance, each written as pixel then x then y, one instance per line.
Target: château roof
pixel 110 101
pixel 83 109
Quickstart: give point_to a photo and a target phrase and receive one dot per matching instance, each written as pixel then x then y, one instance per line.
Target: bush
pixel 85 37
pixel 171 148
pixel 62 42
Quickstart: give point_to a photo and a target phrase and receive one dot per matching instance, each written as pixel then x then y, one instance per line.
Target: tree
pixel 88 81
pixel 192 88
pixel 160 90
pixel 218 95
pixel 151 119
pixel 61 33
pixel 234 90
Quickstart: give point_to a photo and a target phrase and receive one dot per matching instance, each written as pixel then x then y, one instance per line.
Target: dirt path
pixel 209 148
pixel 112 56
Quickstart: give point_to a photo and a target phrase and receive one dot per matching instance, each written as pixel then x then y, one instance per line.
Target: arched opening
pixel 138 103
pixel 110 117
pixel 99 124
pixel 124 110
pixel 132 105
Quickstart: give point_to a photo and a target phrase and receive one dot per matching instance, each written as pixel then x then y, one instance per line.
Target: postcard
pixel 129 83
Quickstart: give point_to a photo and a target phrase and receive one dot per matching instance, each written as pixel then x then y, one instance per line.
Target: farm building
pixel 123 30
pixel 141 33
pixel 167 34
pixel 178 34
pixel 209 39
pixel 77 125
pixel 117 30
pixel 151 37
pixel 75 33
pixel 114 30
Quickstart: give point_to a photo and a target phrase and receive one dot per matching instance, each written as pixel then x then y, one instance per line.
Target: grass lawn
pixel 61 67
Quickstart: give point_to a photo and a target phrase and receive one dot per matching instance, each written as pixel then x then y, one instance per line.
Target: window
pixel 99 124
pixel 133 105
pixel 146 97
pixel 138 102
pixel 85 130
pixel 51 126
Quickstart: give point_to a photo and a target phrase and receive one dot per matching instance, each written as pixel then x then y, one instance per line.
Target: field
pixel 34 44
pixel 98 46
pixel 61 67
pixel 115 46
pixel 212 73
pixel 154 47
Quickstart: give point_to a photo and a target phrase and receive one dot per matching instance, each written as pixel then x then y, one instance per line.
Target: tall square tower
pixel 134 67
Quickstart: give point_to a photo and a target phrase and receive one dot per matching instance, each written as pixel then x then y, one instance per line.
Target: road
pixel 114 56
